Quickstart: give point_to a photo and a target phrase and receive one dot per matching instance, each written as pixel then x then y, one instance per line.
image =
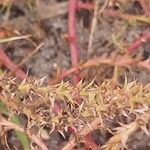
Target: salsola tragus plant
pixel 56 108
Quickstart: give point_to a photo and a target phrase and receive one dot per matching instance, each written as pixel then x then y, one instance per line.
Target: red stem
pixel 5 60
pixel 73 6
pixel 73 36
pixel 139 42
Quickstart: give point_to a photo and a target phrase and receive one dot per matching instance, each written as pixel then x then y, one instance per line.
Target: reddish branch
pixel 73 36
pixel 139 42
pixel 122 60
pixel 5 60
pixel 74 5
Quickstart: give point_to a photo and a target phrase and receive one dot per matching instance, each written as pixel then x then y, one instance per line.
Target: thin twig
pixel 128 17
pixel 11 125
pixel 30 55
pixel 27 39
pixel 34 138
pixel 95 124
pixel 122 61
pixel 93 28
pixel 94 23
pixel 4 40
pixel 39 142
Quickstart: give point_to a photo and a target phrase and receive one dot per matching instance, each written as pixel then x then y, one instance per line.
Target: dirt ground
pixel 113 34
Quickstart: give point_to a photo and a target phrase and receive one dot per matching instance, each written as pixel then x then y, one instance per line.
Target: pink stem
pixel 5 60
pixel 139 42
pixel 73 36
pixel 73 6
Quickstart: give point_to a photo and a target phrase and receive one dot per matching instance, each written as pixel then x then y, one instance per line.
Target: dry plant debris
pixel 82 108
pixel 38 103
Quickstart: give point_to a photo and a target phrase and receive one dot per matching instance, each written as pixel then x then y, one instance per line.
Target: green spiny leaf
pixel 3 109
pixel 21 136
